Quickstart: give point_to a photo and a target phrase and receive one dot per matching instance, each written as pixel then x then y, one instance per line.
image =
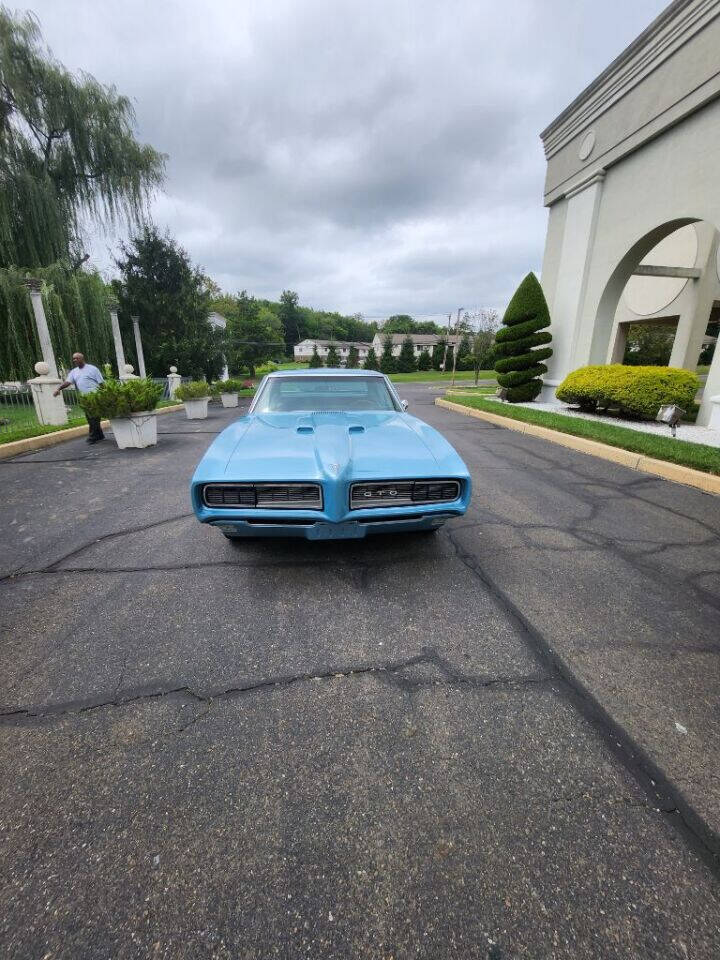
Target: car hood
pixel 317 446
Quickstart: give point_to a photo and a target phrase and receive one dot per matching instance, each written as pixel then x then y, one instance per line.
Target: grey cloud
pixel 379 156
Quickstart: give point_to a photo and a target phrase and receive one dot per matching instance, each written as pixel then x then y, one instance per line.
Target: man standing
pixel 85 378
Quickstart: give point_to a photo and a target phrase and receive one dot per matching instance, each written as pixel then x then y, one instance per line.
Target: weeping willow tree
pixel 68 159
pixel 76 309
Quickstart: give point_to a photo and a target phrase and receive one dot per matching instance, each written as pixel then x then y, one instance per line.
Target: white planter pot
pixel 229 399
pixel 137 430
pixel 196 409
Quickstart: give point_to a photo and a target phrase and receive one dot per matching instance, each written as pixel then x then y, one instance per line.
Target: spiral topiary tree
pixel 519 365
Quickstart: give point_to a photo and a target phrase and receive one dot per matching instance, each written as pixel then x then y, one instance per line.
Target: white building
pixel 420 341
pixel 303 351
pixel 633 200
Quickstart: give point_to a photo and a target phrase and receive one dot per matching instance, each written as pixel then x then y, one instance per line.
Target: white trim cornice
pixel 666 34
pixel 596 177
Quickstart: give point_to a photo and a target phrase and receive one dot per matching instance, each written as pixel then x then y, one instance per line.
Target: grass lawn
pixel 695 455
pixel 25 430
pixel 431 376
pixel 261 371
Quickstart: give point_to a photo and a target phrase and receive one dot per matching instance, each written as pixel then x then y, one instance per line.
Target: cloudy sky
pixel 379 156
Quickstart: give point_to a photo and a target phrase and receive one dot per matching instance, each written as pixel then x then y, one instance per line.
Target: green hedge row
pixel 637 391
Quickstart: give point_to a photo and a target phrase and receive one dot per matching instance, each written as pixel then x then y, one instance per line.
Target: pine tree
pixel 438 354
pixel 353 360
pixel 315 359
pixel 521 366
pixel 333 357
pixel 406 361
pixel 449 358
pixel 464 360
pixel 424 361
pixel 387 360
pixel 371 361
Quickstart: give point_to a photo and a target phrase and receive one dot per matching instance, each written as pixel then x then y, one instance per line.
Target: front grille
pixel 280 496
pixel 402 493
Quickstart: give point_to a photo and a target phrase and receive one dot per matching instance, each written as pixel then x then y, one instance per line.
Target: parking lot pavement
pixel 402 747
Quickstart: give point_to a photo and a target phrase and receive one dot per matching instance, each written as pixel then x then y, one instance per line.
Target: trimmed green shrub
pixel 424 361
pixel 438 355
pixel 116 399
pixel 195 390
pixel 353 358
pixel 315 359
pixel 519 365
pixel 225 386
pixel 637 391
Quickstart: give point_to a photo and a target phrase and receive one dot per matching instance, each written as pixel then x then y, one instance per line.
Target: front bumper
pixel 324 530
pixel 334 522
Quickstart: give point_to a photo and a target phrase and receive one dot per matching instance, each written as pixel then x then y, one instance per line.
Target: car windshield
pixel 324 394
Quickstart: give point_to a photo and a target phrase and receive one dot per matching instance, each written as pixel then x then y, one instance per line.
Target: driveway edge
pixel 29 444
pixel 707 482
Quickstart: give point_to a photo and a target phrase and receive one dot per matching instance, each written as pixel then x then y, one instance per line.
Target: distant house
pixel 421 341
pixel 303 351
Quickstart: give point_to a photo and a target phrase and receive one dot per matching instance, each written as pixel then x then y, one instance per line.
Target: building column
pixel 616 354
pixel 709 413
pixel 139 346
pixel 571 267
pixel 703 293
pixel 115 323
pixel 34 285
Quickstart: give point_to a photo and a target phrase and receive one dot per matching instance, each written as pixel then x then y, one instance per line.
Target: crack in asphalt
pixel 649 776
pixel 390 671
pixel 52 567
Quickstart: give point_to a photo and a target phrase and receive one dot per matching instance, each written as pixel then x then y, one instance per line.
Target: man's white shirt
pixel 86 378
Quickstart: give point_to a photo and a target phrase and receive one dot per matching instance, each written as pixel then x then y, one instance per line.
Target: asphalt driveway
pixel 497 742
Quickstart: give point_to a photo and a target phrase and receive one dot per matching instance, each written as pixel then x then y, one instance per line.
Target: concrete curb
pixel 29 444
pixel 707 482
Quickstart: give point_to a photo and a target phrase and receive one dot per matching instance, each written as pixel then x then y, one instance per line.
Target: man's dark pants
pixel 95 432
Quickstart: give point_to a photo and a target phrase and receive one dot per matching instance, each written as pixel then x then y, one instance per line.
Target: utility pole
pixel 455 352
pixel 447 340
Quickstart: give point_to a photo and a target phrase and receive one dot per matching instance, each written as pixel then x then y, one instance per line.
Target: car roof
pixel 326 371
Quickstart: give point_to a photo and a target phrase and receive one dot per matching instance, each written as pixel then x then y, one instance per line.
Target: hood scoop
pixel 356 428
pixel 305 429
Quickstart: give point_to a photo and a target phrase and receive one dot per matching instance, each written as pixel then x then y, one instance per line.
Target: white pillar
pixel 694 319
pixel 34 286
pixel 50 410
pixel 616 354
pixel 570 269
pixel 119 354
pixel 138 346
pixel 709 412
pixel 174 381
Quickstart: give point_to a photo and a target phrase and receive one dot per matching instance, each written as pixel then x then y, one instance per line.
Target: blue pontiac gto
pixel 328 454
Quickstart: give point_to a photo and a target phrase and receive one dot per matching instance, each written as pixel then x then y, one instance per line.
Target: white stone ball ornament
pixel 42 369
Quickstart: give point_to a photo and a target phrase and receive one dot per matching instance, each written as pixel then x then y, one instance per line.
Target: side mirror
pixel 404 404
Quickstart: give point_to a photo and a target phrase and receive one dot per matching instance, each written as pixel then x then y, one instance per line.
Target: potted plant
pixel 130 408
pixel 227 390
pixel 195 396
